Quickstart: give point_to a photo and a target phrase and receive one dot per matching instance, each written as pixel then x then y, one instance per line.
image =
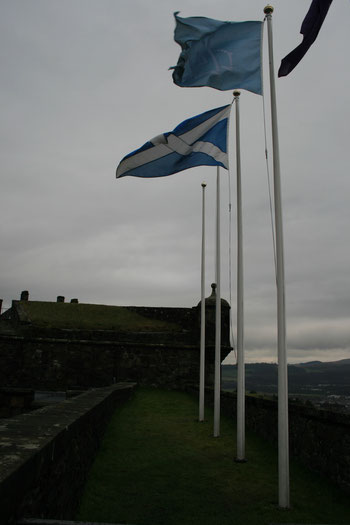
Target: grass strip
pixel 90 317
pixel 159 466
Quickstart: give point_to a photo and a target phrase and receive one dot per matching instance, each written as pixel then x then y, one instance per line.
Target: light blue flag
pixel 198 141
pixel 221 55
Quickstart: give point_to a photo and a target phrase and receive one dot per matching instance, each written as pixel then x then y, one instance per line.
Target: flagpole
pixel 283 440
pixel 202 343
pixel 217 371
pixel 240 312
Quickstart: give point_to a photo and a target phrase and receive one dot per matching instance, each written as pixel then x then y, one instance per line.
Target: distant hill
pixel 314 377
pixel 327 363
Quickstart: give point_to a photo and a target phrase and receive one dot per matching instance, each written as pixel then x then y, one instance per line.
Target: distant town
pixel 323 384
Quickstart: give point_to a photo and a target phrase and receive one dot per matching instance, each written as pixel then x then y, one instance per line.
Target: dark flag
pixel 309 29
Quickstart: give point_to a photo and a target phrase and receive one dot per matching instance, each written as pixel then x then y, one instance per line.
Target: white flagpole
pixel 217 372
pixel 283 440
pixel 240 312
pixel 202 343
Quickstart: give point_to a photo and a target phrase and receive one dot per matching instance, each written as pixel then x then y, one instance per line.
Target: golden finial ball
pixel 204 184
pixel 268 10
pixel 236 93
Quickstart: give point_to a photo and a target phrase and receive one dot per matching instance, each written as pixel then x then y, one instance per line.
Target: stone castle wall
pixel 44 358
pixel 320 439
pixel 45 455
pixel 63 364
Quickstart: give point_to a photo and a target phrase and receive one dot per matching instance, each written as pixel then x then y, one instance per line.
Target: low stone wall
pixel 320 439
pixel 45 455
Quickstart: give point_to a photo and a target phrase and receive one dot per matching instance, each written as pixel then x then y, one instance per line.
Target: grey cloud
pixel 83 84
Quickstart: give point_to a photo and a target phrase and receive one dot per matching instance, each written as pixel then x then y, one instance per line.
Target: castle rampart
pixel 62 346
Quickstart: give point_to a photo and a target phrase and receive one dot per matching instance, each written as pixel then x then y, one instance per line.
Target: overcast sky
pixel 84 82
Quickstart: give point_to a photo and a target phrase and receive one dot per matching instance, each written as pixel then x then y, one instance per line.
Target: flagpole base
pixel 237 460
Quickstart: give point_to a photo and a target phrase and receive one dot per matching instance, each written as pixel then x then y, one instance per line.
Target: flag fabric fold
pixel 217 54
pixel 198 141
pixel 309 29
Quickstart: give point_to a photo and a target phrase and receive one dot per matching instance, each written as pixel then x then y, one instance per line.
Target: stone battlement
pixel 60 346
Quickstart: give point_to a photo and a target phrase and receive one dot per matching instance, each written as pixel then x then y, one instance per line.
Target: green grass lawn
pixel 90 317
pixel 159 466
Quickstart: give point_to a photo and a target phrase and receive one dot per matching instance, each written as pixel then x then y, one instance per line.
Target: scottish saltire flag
pixel 221 55
pixel 309 29
pixel 198 141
